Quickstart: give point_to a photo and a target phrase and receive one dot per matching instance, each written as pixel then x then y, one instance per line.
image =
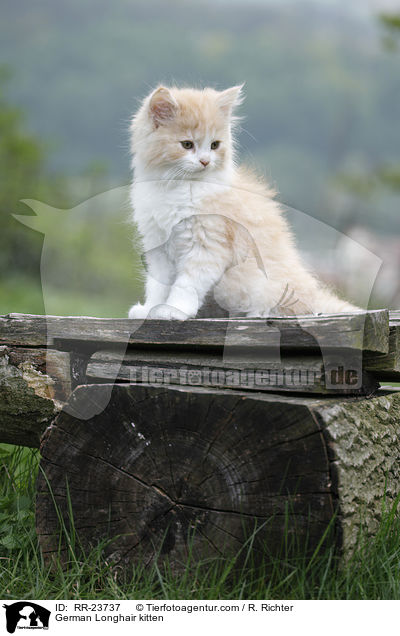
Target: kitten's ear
pixel 230 98
pixel 162 106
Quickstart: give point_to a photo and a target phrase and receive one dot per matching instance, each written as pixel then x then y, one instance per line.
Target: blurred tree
pixel 390 175
pixel 90 268
pixel 21 174
pixel 384 175
pixel 391 23
pixel 322 95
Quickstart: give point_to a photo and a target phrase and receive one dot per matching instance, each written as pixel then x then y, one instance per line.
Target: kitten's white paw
pixel 138 311
pixel 166 312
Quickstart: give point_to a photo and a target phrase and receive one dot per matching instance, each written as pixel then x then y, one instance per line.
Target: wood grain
pixel 293 374
pixel 177 466
pixel 387 366
pixel 163 468
pixel 363 331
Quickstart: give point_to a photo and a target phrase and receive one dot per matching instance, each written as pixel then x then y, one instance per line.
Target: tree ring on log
pixel 164 472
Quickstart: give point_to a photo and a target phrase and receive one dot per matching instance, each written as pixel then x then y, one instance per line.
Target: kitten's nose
pixel 204 162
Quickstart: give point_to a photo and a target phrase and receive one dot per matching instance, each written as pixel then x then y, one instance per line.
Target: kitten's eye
pixel 215 145
pixel 187 144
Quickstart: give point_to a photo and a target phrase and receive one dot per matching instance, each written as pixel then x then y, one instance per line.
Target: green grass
pixel 25 295
pixel 372 572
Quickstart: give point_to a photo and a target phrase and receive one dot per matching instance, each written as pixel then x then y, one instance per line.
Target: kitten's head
pixel 185 133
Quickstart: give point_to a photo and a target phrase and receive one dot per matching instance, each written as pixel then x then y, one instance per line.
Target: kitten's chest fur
pixel 160 207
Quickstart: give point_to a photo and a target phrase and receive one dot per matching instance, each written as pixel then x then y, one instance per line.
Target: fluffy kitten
pixel 207 224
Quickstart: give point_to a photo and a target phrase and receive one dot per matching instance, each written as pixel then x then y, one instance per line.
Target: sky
pixel 361 7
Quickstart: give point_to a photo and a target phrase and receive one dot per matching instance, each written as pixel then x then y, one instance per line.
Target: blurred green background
pixel 321 123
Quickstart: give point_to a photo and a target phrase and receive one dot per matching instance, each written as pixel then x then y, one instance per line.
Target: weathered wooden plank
pixel 387 366
pixel 32 330
pixel 34 384
pixel 368 331
pixel 306 374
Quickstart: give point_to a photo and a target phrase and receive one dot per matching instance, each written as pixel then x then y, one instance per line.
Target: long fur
pixel 206 224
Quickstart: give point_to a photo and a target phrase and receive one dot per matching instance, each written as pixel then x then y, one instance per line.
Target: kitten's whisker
pixel 294 302
pixel 176 173
pixel 283 295
pixel 289 297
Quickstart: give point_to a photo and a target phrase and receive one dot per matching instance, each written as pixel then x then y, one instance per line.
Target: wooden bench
pixel 161 433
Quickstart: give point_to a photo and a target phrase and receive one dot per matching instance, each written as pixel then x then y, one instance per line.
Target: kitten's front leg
pixel 156 293
pixel 190 288
pixel 157 286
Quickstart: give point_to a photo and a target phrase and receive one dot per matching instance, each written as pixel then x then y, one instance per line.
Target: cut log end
pixel 166 472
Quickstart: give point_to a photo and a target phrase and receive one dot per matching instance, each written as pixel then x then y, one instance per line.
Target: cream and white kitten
pixel 206 224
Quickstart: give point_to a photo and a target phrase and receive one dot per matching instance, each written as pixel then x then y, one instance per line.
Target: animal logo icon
pixel 26 615
pixel 55 267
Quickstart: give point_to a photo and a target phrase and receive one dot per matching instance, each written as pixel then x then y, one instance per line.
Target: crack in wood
pixel 216 437
pixel 203 534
